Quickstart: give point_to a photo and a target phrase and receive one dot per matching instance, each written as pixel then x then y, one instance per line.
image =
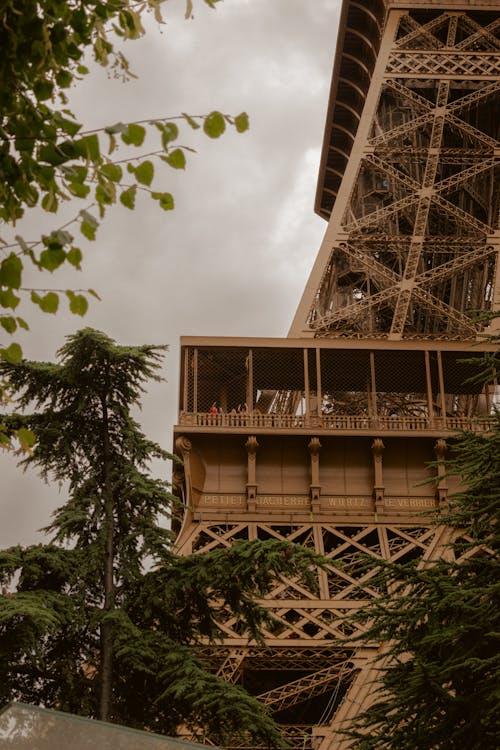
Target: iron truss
pixel 305 647
pixel 427 181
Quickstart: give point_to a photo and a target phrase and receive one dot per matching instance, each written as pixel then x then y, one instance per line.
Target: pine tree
pixel 439 678
pixel 102 620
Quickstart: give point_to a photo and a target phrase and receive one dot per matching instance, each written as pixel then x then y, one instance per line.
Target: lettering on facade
pixel 281 501
pixel 409 502
pixel 261 501
pixel 302 501
pixel 235 501
pixel 347 502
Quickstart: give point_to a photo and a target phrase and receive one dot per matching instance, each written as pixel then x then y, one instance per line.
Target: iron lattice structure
pixel 306 675
pixel 413 240
pixel 324 438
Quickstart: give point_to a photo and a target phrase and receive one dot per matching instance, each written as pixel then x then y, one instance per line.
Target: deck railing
pixel 334 422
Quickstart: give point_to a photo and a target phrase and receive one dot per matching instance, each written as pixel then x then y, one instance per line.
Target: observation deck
pixel 349 387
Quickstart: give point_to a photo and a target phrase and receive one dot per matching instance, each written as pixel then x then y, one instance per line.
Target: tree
pixel 46 156
pixel 439 672
pixel 106 614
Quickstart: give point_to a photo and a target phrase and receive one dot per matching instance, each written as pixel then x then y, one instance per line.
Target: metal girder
pixel 481 33
pixel 305 687
pixel 460 263
pixel 356 311
pixel 221 539
pixel 438 64
pixel 282 658
pixel 480 198
pixel 307 618
pixel 390 282
pixel 422 30
pixel 419 101
pixel 447 312
pixel 290 659
pixel 388 169
pixel 380 273
pixel 417 122
pixel 471 131
pixel 230 668
pixel 463 216
pixel 380 214
pixel 472 98
pixel 403 129
pixel 484 33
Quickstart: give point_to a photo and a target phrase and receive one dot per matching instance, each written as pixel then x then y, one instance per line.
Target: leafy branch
pixel 47 158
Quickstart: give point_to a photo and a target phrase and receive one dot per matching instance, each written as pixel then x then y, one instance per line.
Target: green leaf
pixel 52 258
pixel 112 171
pixel 87 230
pixel 58 237
pixel 214 125
pixel 13 354
pixel 89 225
pixel 166 200
pixel 77 303
pixel 89 218
pixel 26 438
pixel 94 294
pixel 88 148
pixel 105 193
pixel 112 144
pixel 78 190
pixel 145 172
pixel 134 136
pixel 22 323
pixel 11 271
pixel 58 154
pixel 195 125
pixel 49 202
pixel 241 122
pixel 127 198
pixel 119 127
pixel 49 303
pixel 74 256
pixel 43 89
pixel 8 323
pixel 175 159
pixel 75 173
pixel 8 299
pixel 32 195
pixel 169 132
pixel 70 127
pixel 64 79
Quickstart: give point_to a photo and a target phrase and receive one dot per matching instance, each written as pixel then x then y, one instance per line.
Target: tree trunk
pixel 106 630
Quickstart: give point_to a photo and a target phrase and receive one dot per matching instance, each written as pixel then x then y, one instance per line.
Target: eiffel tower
pixel 324 438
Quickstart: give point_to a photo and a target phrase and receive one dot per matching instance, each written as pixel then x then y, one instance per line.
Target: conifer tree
pixel 102 620
pixel 439 672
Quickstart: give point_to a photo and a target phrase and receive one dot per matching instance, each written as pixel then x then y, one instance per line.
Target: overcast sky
pixel 234 256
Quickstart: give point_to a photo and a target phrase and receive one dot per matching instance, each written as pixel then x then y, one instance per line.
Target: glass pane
pixel 23 727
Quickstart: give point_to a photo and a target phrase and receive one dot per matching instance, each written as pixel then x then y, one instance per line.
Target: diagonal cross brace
pixel 305 687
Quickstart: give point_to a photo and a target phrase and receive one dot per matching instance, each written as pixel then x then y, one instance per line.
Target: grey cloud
pixel 234 255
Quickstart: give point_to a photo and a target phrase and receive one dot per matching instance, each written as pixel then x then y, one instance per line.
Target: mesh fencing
pixel 292 387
